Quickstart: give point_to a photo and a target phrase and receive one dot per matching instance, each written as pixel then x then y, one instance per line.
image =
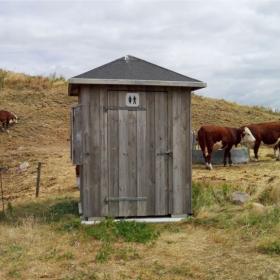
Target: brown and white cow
pixel 267 133
pixel 7 118
pixel 213 137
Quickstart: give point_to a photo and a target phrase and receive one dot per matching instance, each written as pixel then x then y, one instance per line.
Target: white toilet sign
pixel 132 99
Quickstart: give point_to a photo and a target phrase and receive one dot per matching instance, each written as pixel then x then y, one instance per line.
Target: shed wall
pixel 140 171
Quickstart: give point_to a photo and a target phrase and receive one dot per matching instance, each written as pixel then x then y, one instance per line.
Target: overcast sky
pixel 232 45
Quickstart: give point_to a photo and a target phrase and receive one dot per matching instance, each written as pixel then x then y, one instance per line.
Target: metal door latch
pixel 167 153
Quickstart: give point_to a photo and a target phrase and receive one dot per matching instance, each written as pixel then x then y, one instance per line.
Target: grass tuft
pixel 204 195
pixel 46 211
pixel 271 247
pixel 108 230
pixel 136 232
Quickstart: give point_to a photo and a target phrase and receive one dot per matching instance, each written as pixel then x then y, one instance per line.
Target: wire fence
pixel 21 180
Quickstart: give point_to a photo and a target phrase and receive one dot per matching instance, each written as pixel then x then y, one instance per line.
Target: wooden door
pixel 138 155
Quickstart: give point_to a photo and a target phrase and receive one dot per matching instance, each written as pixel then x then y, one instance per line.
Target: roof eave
pixel 188 84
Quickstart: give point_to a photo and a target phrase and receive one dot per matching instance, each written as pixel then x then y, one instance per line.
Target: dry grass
pixel 222 242
pixel 221 112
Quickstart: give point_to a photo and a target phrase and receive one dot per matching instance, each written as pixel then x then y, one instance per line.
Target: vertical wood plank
pixel 82 191
pixel 113 153
pixel 180 152
pixel 150 153
pixel 142 186
pixel 132 162
pixel 123 157
pixel 170 147
pixel 95 152
pixel 104 180
pixel 85 182
pixel 188 107
pixel 161 144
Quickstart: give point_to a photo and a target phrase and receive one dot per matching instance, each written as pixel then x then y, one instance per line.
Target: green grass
pixel 136 232
pixel 47 211
pixel 128 231
pixel 224 215
pixel 261 223
pixel 205 195
pixel 271 247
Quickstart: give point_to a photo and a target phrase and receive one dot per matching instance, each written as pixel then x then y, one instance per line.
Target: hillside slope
pixel 42 134
pixel 220 112
pixel 42 105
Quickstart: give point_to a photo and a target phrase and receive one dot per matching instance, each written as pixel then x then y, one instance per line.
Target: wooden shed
pixel 131 137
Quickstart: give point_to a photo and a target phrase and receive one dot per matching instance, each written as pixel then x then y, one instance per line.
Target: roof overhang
pixel 84 81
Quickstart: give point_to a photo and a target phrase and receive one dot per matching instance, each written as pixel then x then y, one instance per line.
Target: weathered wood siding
pixel 181 153
pixel 135 162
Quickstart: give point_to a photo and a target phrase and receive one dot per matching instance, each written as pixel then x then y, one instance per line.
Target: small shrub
pixel 104 231
pixel 60 209
pixel 129 231
pixel 136 232
pixel 269 247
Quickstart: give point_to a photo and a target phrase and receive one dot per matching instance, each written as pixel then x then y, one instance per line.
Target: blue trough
pixel 238 155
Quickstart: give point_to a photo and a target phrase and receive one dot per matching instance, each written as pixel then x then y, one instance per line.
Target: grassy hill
pixel 42 134
pixel 42 105
pixel 43 237
pixel 220 112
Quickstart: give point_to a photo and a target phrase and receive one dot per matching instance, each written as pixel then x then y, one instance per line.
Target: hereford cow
pixel 7 118
pixel 212 137
pixel 266 133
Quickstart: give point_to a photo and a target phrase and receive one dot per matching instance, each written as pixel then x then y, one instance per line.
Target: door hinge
pixel 124 198
pixel 167 153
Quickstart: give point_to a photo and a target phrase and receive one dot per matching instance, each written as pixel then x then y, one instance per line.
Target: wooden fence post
pixel 38 178
pixel 2 193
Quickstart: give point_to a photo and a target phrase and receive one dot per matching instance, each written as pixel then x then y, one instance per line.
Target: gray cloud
pixel 231 45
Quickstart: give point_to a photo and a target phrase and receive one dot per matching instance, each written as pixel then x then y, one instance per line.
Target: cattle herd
pixel 6 119
pixel 212 137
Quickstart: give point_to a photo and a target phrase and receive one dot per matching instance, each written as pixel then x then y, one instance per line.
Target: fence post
pixel 38 178
pixel 2 193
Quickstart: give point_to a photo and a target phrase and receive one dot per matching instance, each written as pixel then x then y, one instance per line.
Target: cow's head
pixel 246 136
pixel 14 119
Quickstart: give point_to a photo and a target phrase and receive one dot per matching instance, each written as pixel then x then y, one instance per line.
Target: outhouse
pixel 131 137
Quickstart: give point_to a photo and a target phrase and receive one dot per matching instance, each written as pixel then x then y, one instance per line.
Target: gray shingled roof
pixel 130 70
